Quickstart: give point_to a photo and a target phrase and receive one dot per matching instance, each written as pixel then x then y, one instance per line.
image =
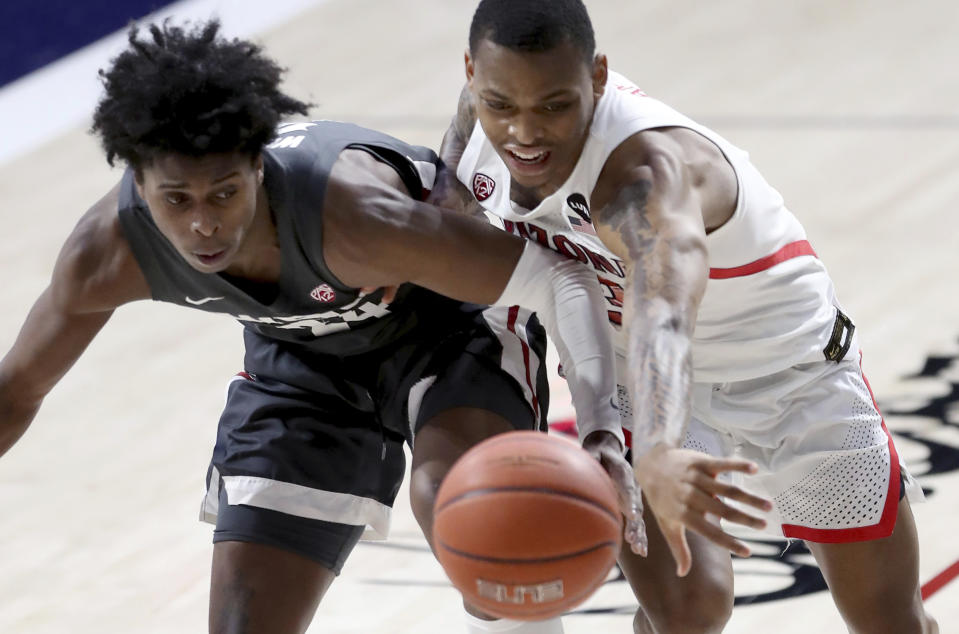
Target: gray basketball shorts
pixel 309 450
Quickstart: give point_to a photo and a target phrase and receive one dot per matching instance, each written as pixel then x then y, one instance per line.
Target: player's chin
pixel 539 176
pixel 532 181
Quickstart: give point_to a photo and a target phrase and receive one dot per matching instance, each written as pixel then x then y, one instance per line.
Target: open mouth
pixel 529 158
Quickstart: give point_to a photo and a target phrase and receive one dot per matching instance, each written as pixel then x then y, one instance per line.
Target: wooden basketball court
pixel 850 109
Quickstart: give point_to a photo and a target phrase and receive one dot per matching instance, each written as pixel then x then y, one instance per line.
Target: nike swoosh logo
pixel 200 302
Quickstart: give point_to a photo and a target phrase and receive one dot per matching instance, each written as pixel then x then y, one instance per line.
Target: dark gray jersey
pixel 309 306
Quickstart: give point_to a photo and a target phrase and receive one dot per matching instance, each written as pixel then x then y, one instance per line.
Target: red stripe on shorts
pixel 788 252
pixel 511 324
pixel 887 521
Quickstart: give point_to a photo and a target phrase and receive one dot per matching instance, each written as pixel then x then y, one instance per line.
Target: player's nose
pixel 205 222
pixel 525 129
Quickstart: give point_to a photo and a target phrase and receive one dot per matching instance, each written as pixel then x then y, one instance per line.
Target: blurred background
pixel 850 109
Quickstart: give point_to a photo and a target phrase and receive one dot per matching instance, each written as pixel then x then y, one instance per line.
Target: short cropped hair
pixel 189 91
pixel 533 25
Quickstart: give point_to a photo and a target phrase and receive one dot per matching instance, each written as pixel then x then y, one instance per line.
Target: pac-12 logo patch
pixel 323 293
pixel 577 202
pixel 483 186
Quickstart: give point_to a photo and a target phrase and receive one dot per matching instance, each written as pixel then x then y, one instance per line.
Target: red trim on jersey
pixel 511 324
pixel 245 375
pixel 788 252
pixel 887 521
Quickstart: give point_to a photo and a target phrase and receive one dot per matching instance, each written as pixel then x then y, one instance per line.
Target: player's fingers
pixel 708 504
pixel 635 526
pixel 630 500
pixel 712 532
pixel 635 536
pixel 622 476
pixel 675 535
pixel 722 489
pixel 389 294
pixel 716 466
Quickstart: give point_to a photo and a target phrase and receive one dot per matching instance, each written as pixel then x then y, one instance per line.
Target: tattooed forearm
pixel 660 375
pixel 663 287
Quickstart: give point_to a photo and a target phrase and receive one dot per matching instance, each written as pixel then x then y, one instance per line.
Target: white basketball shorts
pixel 824 454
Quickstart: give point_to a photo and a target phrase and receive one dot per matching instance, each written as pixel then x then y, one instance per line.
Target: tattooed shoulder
pixel 627 212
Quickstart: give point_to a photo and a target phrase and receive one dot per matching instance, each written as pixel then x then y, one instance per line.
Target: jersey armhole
pixel 401 164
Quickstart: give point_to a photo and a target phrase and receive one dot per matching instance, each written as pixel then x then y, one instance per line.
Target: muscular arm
pixel 374 234
pixel 654 222
pixel 95 273
pixel 656 196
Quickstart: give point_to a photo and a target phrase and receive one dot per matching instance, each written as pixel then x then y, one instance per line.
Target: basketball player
pixel 218 213
pixel 729 321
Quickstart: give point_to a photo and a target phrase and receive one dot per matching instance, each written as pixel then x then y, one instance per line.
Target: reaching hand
pixel 606 448
pixel 389 292
pixel 681 489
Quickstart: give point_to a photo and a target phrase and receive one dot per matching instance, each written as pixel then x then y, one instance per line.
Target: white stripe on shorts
pixel 301 501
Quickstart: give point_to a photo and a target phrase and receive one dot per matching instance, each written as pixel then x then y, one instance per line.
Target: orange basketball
pixel 526 525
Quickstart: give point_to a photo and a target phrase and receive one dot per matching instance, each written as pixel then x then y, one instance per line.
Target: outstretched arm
pixel 49 343
pixel 374 234
pixel 659 234
pixel 447 191
pixel 95 272
pixel 604 445
pixel 653 219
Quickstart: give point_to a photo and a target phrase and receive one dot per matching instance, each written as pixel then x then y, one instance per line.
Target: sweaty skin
pixel 215 211
pixel 656 196
pixel 661 192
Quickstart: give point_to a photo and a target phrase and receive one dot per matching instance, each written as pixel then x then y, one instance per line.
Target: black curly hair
pixel 191 92
pixel 533 25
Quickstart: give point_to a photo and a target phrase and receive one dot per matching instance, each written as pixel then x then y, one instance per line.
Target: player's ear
pixel 600 74
pixel 258 168
pixel 468 60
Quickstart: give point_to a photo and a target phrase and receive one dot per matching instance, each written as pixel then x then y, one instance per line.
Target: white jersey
pixel 769 303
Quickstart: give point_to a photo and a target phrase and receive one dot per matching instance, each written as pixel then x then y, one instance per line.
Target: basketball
pixel 526 525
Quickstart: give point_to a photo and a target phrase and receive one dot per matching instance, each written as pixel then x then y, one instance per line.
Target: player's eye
pixel 226 194
pixel 494 104
pixel 175 198
pixel 557 106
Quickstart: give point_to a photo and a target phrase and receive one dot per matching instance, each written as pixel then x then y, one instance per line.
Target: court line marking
pixel 940 581
pixel 928 589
